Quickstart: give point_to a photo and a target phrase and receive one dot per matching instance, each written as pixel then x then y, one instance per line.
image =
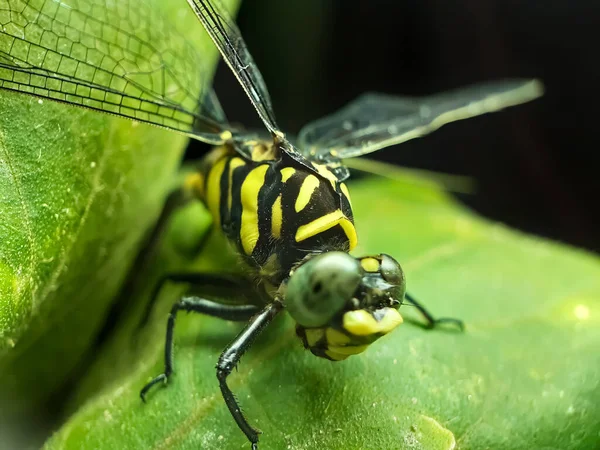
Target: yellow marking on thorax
pixel 286 173
pixel 276 218
pixel 249 195
pixel 263 152
pixel 233 164
pixel 326 222
pixel 370 264
pixel 346 192
pixel 309 185
pixel 213 190
pixel 327 174
pixel 341 353
pixel 362 323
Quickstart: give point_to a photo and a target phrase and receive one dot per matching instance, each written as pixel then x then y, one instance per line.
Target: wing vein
pixel 85 53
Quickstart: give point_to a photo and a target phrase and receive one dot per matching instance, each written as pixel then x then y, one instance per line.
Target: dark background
pixel 536 166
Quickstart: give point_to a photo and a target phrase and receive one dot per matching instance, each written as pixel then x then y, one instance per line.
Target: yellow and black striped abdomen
pixel 276 211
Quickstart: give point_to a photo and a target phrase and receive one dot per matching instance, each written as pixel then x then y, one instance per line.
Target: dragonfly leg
pixel 202 282
pixel 238 313
pixel 432 322
pixel 230 358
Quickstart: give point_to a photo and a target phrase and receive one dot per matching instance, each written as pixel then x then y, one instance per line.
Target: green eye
pixel 321 287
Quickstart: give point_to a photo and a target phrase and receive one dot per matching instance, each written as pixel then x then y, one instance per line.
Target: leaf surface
pixel 78 191
pixel 523 375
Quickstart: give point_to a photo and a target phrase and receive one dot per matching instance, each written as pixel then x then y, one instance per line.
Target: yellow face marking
pixel 276 218
pixel 391 319
pixel 341 353
pixel 213 190
pixel 233 164
pixel 346 192
pixel 370 264
pixel 286 173
pixel 362 323
pixel 336 338
pixel 326 222
pixel 309 185
pixel 249 195
pixel 313 335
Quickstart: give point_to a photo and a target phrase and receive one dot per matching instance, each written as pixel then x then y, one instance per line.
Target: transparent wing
pixel 228 39
pixel 211 107
pixel 375 121
pixel 119 57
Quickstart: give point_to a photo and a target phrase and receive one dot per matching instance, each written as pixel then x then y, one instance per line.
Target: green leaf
pixel 78 191
pixel 523 375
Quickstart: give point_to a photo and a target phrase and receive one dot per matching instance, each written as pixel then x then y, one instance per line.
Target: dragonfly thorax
pixel 274 208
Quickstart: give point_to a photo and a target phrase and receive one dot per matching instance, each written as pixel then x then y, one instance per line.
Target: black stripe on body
pixel 288 252
pixel 231 227
pixel 268 194
pixel 224 195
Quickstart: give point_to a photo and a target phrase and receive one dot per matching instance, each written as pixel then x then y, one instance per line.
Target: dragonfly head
pixel 342 304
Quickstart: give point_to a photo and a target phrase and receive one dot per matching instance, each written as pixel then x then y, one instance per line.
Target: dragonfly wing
pixel 228 39
pixel 115 57
pixel 375 121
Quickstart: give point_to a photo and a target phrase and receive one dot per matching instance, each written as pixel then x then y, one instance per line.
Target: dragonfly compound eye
pixel 391 271
pixel 321 287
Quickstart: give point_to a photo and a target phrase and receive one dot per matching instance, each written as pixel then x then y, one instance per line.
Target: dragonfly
pixel 282 202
